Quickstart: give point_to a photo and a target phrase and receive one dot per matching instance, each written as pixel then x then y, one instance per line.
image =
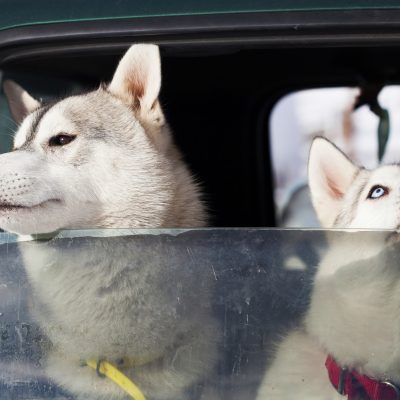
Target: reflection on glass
pixel 347 345
pixel 199 314
pixel 128 302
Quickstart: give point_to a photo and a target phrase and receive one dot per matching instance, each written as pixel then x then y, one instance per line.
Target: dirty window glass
pixel 179 312
pixel 185 314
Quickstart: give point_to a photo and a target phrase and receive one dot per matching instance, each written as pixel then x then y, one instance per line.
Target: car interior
pixel 218 103
pixel 218 99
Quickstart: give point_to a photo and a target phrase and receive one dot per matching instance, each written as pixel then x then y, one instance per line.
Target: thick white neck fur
pixel 354 312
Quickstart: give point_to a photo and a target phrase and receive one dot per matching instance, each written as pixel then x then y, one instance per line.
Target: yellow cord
pixel 113 373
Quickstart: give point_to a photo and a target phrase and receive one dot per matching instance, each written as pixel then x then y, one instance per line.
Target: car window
pixel 207 302
pixel 203 309
pixel 330 112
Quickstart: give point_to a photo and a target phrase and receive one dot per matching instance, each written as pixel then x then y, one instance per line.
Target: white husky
pixel 106 159
pixel 354 311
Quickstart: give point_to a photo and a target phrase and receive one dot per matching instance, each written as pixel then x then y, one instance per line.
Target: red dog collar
pixel 355 386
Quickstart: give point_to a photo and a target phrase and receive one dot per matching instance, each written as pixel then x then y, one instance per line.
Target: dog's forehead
pixel 96 114
pixel 56 120
pixel 42 123
pixel 65 116
pixel 387 175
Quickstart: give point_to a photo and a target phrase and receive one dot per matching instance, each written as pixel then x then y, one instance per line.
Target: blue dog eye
pixel 377 191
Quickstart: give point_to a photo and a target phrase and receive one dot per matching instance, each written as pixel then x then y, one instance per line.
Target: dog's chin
pixel 45 217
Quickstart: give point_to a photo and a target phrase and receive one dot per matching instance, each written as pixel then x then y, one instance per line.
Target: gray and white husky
pixel 354 310
pixel 106 159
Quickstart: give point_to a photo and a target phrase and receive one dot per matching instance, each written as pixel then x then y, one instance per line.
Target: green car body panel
pixel 18 13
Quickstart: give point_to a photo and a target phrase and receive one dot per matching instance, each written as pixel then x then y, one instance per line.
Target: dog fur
pixel 353 314
pixel 106 159
pixel 121 170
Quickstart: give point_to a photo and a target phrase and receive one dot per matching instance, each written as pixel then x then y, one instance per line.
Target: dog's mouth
pixel 20 207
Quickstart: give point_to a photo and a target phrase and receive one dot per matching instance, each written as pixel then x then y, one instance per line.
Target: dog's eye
pixel 377 191
pixel 61 140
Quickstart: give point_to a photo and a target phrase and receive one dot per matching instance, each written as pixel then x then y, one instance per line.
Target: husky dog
pixel 106 159
pixel 353 315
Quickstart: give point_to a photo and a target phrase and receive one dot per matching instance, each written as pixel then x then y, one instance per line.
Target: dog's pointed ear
pixel 330 175
pixel 21 103
pixel 137 79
